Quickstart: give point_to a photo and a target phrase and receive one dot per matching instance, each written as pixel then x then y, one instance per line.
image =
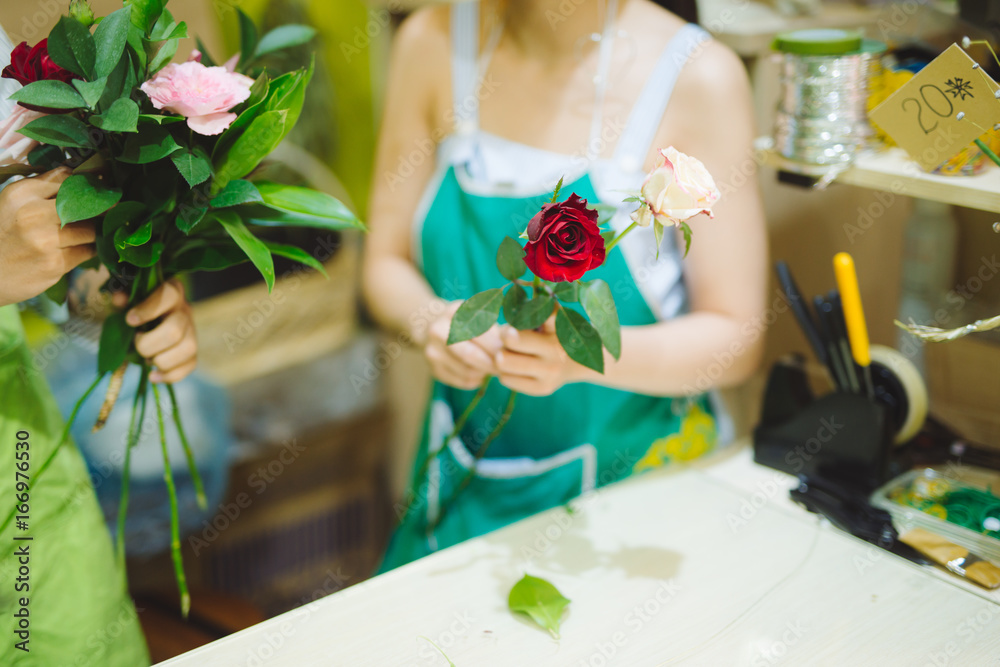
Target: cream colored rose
pixel 678 189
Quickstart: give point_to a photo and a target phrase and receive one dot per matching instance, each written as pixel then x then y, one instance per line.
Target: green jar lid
pixel 818 42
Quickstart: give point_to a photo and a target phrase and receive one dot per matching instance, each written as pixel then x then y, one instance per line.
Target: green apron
pixel 554 448
pixel 79 612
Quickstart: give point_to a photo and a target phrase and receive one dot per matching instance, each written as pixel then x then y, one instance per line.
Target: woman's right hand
pixel 463 365
pixel 35 251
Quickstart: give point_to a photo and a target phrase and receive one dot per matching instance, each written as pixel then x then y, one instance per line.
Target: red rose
pixel 32 63
pixel 564 241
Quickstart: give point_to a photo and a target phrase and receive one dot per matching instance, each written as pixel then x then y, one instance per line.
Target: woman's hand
pixel 533 362
pixel 35 251
pixel 171 346
pixel 463 365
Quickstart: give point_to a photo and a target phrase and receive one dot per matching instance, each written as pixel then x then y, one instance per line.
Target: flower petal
pixel 211 124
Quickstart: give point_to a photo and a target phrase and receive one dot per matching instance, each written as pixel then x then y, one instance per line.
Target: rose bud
pixel 678 189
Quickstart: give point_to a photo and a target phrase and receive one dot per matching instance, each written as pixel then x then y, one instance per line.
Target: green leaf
pixel 567 292
pixel 206 257
pixel 126 236
pixel 153 143
pixel 164 54
pixel 608 237
pixel 236 193
pixel 136 42
pixel 59 130
pixel 284 37
pixel 145 12
pixel 297 254
pixel 604 212
pixel 49 94
pixel 58 292
pixel 122 116
pixel 160 120
pixel 292 205
pixel 254 248
pixel 121 215
pixel 121 81
pixel 515 297
pixel 248 38
pixel 193 166
pixel 540 600
pixel 532 314
pixel 686 230
pixel 166 29
pixel 91 91
pixel 116 340
pixel 84 196
pixel 599 304
pixel 71 46
pixel 46 158
pixel 476 315
pixel 252 108
pixel 189 216
pixel 657 235
pixel 580 340
pixel 256 143
pixel 143 256
pixel 110 37
pixel 206 57
pixel 555 193
pixel 510 259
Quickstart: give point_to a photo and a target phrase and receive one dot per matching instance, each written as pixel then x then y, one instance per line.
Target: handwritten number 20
pixel 932 107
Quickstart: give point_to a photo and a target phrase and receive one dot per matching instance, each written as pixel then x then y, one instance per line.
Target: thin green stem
pixel 62 438
pixel 987 152
pixel 618 238
pixel 418 479
pixel 175 528
pixel 192 466
pixel 134 429
pixel 479 454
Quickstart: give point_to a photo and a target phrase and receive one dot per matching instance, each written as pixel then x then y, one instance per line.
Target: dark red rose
pixel 32 63
pixel 564 241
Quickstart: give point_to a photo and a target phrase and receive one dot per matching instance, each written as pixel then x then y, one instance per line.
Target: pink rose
pixel 679 188
pixel 14 147
pixel 203 95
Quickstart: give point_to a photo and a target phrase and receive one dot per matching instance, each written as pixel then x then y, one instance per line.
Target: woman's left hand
pixel 171 346
pixel 533 362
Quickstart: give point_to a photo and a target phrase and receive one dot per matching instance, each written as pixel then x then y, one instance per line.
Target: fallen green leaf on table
pixel 540 600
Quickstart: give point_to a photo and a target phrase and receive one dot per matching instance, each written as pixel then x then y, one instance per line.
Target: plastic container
pixel 933 489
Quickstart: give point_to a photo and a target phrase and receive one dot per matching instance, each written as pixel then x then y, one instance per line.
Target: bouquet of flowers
pixel 163 157
pixel 565 240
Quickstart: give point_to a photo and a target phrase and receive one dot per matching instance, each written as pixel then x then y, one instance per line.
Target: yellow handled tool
pixel 854 314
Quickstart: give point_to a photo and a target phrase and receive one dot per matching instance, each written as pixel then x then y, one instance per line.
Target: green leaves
pixel 523 314
pixel 294 206
pixel 110 37
pixel 510 259
pixel 153 143
pixel 84 196
pixel 599 304
pixel 91 91
pixel 71 46
pixel 580 340
pixel 236 193
pixel 254 248
pixel 116 340
pixel 284 37
pixel 248 39
pixel 476 315
pixel 59 130
pixel 145 12
pixel 686 230
pixel 193 166
pixel 297 254
pixel 49 94
pixel 540 600
pixel 258 141
pixel 122 116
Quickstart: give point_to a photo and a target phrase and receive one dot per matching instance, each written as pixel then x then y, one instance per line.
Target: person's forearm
pixel 399 298
pixel 687 355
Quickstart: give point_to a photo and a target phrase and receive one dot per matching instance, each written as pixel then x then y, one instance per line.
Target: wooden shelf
pixel 892 171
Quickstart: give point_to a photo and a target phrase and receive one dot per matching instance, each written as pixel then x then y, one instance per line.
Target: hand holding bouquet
pixel 163 157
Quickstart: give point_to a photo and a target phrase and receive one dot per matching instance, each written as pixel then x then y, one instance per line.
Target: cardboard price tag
pixel 941 110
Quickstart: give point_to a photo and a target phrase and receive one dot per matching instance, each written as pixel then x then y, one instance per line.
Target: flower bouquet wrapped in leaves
pixel 564 241
pixel 163 156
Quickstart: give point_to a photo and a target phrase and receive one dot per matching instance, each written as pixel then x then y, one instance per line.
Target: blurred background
pixel 313 414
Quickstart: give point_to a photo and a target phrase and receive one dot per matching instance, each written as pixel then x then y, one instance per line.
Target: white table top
pixel 702 566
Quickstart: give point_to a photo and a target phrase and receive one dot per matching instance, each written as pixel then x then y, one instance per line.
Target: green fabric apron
pixel 554 448
pixel 79 613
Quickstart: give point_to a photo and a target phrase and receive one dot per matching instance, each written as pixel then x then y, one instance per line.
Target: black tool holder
pixel 842 438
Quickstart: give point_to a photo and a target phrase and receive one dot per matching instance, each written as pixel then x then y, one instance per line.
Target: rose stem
pixel 62 439
pixel 459 425
pixel 175 529
pixel 192 466
pixel 618 238
pixel 134 428
pixel 504 418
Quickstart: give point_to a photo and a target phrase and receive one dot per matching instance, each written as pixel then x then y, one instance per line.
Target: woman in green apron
pixel 62 593
pixel 546 79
